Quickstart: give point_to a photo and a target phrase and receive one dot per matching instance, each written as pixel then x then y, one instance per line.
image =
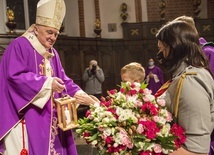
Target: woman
pixel 181 55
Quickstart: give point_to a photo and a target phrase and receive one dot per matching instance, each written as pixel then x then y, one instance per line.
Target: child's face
pixel 126 78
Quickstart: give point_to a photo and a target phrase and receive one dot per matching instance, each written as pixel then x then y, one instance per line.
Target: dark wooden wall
pixel 138 44
pixel 111 55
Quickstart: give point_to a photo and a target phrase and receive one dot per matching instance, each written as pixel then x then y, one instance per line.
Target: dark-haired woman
pixel 193 105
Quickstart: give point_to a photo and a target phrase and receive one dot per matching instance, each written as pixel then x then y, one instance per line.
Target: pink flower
pixel 86 134
pixel 124 137
pixel 128 142
pixel 140 128
pixel 157 148
pixel 147 91
pixel 105 103
pixel 122 90
pixel 132 92
pixel 109 140
pixel 112 91
pixel 156 118
pixel 150 108
pixel 150 129
pixel 141 91
pixel 132 85
pixel 88 112
pixel 169 117
pixel 161 102
pixel 138 103
pixel 179 132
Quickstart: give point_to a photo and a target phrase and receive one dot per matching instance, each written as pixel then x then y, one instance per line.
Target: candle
pixel 67 116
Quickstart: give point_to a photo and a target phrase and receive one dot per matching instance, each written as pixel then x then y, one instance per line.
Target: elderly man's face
pixel 46 35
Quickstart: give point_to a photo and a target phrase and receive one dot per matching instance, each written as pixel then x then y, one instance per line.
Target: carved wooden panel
pixel 205 28
pixel 150 29
pixel 106 61
pixel 68 50
pixel 132 31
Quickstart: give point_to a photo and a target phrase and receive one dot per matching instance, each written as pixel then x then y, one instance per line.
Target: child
pixel 132 72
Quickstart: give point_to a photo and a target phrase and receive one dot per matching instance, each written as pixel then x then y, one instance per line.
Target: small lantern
pixel 66 112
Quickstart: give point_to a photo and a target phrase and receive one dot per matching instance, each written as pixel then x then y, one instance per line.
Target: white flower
pixel 107 132
pixel 162 120
pixel 137 86
pixel 120 96
pixel 148 97
pixel 147 91
pixel 140 145
pixel 118 138
pixel 132 98
pixel 125 114
pixel 165 130
pixel 105 120
pixel 127 104
pixel 96 119
pixel 163 112
pixel 94 142
pixel 96 105
pixel 128 83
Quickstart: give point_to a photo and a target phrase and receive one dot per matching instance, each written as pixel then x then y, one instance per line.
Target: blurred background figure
pixel 132 72
pixel 93 77
pixel 154 76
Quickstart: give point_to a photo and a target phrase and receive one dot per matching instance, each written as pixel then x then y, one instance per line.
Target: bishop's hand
pixel 57 85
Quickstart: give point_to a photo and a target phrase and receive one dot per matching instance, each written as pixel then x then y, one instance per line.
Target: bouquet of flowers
pixel 131 121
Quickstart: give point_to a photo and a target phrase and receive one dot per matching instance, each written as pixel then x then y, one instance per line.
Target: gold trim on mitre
pixel 50 13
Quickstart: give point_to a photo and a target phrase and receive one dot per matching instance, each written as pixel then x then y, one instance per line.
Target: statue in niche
pixel 10 24
pixel 97 28
pixel 10 15
pixel 97 24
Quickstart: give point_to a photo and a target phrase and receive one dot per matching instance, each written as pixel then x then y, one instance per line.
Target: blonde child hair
pixel 133 72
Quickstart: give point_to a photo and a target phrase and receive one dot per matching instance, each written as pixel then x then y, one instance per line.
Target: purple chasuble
pixel 209 52
pixel 152 85
pixel 21 81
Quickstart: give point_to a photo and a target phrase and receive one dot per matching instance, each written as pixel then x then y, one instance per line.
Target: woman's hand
pixel 182 151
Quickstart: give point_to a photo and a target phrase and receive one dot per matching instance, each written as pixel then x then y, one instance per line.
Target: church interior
pixel 113 32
